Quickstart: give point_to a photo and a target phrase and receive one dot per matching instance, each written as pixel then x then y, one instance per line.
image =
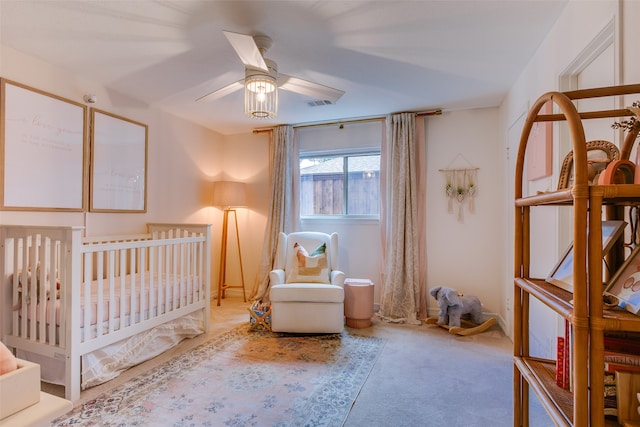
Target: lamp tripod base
pixel 222 286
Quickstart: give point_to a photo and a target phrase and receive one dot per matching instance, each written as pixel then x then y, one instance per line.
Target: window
pixel 342 184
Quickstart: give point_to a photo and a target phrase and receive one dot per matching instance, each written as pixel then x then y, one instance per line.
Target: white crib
pixel 71 302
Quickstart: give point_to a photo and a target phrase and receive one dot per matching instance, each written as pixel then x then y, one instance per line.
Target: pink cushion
pixel 8 361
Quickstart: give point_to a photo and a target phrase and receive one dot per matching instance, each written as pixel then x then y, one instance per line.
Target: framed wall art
pixel 624 286
pixel 562 273
pixel 43 149
pixel 118 173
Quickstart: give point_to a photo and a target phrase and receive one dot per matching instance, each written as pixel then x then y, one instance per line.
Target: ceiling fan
pixel 251 50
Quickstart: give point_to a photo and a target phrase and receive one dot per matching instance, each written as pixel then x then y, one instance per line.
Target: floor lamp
pixel 229 195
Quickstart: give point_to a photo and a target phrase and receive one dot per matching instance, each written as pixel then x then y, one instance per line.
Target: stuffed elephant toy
pixel 452 306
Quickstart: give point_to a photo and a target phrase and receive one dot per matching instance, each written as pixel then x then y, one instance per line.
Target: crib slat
pixel 199 271
pixel 182 289
pixel 174 277
pixel 133 303
pixel 112 291
pixel 20 276
pixel 190 283
pixel 100 295
pixel 161 284
pixel 88 276
pixel 54 299
pixel 152 284
pixel 39 274
pixel 168 288
pixel 143 280
pixel 191 272
pixel 123 288
pixel 30 285
pixel 70 276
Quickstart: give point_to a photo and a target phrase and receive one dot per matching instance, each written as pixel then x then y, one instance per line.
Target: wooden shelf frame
pixel 583 309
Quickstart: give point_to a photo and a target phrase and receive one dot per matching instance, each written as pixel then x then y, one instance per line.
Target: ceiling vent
pixel 319 102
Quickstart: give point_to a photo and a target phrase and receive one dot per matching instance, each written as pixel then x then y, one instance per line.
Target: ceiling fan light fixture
pixel 260 95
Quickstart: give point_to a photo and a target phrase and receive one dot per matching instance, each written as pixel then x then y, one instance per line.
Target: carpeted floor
pixel 423 376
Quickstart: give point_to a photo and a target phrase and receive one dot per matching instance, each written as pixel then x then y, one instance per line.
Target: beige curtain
pixel 284 205
pixel 402 220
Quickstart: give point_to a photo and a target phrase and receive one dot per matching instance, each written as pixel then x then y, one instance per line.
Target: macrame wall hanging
pixel 461 186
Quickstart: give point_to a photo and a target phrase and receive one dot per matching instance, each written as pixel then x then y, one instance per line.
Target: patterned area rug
pixel 243 379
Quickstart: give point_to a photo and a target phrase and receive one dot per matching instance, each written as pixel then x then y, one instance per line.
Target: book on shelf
pixel 613 367
pixel 568 360
pixel 621 355
pixel 620 358
pixel 610 394
pixel 563 358
pixel 560 360
pixel 622 344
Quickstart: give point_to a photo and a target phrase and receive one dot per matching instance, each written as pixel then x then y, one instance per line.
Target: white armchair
pixel 306 287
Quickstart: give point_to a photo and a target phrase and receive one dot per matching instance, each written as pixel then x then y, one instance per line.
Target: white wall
pixel 246 160
pixel 466 254
pixel 630 17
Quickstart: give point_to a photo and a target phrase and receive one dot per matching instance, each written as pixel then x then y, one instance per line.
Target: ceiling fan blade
pixel 217 94
pixel 313 90
pixel 246 48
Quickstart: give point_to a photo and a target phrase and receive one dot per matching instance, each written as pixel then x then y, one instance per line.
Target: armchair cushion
pixel 307 292
pixel 305 268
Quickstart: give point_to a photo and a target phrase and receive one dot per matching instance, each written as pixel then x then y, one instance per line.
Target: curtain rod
pixel 343 122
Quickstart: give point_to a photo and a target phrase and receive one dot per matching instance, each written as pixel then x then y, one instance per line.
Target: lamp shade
pixel 229 194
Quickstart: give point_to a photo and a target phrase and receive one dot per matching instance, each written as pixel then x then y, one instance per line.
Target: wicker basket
pixel 260 316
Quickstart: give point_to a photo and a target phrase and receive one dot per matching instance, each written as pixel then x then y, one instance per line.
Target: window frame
pixel 345 154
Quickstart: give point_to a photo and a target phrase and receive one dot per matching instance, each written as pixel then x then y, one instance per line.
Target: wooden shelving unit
pixel 582 308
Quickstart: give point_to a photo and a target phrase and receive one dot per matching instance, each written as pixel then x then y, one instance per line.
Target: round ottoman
pixel 358 302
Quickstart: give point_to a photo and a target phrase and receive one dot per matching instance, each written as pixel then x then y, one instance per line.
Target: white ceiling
pixel 388 56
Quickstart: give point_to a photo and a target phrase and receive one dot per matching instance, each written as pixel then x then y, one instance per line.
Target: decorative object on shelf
pixel 599 155
pixel 632 123
pixel 629 125
pixel 624 287
pixel 618 172
pixel 562 273
pixel 229 195
pixel 453 306
pixel 460 186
